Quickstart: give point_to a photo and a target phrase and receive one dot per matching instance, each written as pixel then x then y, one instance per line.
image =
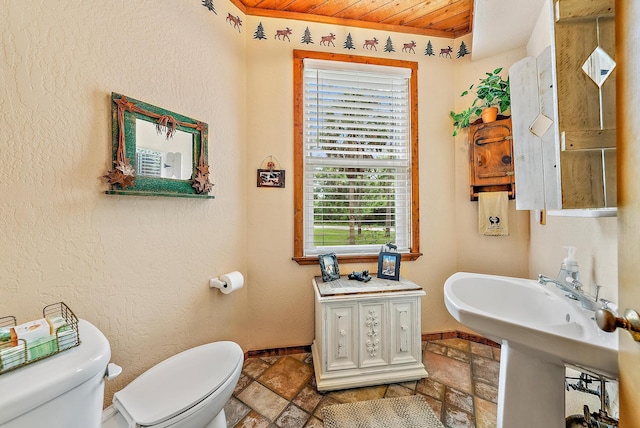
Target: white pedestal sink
pixel 540 330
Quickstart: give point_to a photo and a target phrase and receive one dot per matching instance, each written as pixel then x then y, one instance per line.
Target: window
pixel 149 163
pixel 356 156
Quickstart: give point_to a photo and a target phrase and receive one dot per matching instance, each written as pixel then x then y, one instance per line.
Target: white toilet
pixel 66 390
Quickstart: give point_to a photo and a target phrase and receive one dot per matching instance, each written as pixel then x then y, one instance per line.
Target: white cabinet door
pixel 342 336
pixel 536 146
pixel 405 337
pixel 374 327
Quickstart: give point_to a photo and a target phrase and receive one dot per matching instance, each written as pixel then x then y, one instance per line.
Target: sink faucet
pixel 574 289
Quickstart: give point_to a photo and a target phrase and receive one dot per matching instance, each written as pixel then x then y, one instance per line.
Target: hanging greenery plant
pixel 492 92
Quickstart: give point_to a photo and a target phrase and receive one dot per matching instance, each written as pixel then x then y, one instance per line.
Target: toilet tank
pixel 65 390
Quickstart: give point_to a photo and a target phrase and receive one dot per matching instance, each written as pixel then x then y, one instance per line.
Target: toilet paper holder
pixel 227 283
pixel 217 283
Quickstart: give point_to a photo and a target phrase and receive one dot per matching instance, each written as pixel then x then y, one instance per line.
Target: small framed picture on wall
pixel 389 265
pixel 271 178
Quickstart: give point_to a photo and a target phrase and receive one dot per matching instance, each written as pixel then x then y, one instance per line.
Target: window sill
pixel 310 260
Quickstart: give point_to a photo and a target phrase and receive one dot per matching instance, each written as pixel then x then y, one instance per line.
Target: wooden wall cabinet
pixel 564 114
pixel 366 333
pixel 586 109
pixel 491 158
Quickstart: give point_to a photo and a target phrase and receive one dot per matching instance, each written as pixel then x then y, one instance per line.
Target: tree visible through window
pixel 356 160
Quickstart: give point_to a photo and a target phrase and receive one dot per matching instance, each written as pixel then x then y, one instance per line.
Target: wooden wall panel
pixel 611 178
pixel 582 179
pixel 589 139
pixel 586 112
pixel 578 96
pixel 608 42
pixel 583 9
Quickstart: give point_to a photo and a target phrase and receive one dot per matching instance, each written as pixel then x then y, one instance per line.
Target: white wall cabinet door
pixel 536 146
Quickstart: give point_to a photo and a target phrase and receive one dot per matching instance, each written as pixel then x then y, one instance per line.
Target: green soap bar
pixel 11 357
pixel 42 347
pixel 67 339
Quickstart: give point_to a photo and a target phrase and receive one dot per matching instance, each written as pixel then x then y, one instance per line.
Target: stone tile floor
pixel 462 388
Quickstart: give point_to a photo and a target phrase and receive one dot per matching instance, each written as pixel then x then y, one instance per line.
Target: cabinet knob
pixel 343 332
pixel 404 327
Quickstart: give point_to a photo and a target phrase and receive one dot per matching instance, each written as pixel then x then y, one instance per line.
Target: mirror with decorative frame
pixel 157 152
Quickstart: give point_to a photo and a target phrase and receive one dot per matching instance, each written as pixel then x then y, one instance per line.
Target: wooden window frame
pixel 298 153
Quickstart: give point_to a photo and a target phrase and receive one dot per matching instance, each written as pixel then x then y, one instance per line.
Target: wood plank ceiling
pixel 439 18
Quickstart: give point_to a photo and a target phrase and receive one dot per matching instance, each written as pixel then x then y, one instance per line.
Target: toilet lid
pixel 179 382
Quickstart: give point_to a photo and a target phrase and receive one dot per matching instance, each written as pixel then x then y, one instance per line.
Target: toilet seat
pixel 178 384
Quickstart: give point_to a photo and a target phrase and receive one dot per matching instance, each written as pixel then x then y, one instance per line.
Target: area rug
pixel 401 412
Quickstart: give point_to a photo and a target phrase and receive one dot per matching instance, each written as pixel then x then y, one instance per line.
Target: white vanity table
pixel 366 333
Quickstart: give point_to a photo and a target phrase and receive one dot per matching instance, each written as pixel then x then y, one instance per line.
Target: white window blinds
pixel 357 166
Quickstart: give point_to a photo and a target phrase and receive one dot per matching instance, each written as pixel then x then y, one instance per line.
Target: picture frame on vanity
pixel 389 265
pixel 329 267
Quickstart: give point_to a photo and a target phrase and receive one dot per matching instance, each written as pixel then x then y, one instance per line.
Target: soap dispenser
pixel 569 267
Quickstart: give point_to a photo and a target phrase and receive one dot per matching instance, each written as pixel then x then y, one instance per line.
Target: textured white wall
pixel 596 243
pixel 282 298
pixel 498 255
pixel 138 268
pixel 541 35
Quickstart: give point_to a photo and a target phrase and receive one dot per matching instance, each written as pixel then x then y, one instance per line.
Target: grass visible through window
pixel 337 235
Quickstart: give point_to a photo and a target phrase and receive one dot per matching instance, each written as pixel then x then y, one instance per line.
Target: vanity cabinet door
pixel 342 333
pixel 405 337
pixel 373 334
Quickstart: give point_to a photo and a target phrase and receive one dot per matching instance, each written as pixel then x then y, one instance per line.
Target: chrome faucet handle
pixel 574 283
pixel 543 279
pixel 605 303
pixel 598 287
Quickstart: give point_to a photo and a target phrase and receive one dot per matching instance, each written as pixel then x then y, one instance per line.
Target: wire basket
pixel 24 344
